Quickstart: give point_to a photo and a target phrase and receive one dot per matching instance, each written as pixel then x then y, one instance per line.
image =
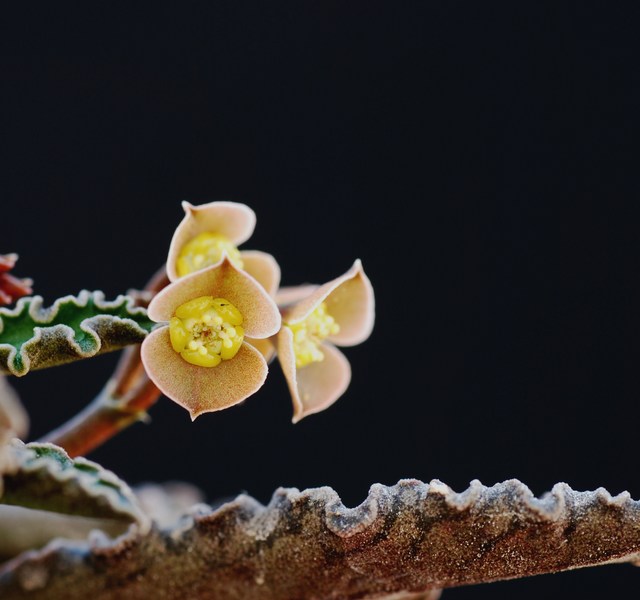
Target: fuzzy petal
pixel 350 301
pixel 316 386
pixel 222 280
pixel 234 220
pixel 265 347
pixel 288 295
pixel 262 267
pixel 201 389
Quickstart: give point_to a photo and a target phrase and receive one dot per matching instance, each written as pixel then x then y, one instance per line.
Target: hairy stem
pixel 123 401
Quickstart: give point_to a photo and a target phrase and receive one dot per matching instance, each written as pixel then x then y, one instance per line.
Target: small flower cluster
pixel 224 318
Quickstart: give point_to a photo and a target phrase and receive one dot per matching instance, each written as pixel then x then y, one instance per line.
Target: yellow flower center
pixel 308 335
pixel 206 249
pixel 206 330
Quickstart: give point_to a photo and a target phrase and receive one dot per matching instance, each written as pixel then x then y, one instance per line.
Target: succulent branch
pixel 123 401
pixel 411 538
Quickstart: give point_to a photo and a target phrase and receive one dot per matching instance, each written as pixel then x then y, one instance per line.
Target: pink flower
pixel 210 230
pixel 315 321
pixel 199 357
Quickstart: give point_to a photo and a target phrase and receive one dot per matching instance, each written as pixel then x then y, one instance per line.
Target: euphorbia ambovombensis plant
pixel 203 333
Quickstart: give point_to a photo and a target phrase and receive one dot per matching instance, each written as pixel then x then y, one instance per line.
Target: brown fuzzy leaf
pixel 402 540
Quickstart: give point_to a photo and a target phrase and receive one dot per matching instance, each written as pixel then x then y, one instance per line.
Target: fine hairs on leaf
pixel 47 495
pixel 74 327
pixel 410 538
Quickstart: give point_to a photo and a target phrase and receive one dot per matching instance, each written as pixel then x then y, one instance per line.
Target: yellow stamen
pixel 206 330
pixel 206 249
pixel 308 335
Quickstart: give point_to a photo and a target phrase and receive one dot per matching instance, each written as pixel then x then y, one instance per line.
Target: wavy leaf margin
pixel 47 495
pixel 74 327
pixel 403 540
pixel 46 478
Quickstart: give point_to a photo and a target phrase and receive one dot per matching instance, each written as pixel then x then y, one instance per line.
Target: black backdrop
pixel 480 159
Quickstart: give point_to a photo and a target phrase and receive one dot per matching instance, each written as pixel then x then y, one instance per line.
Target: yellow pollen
pixel 206 330
pixel 206 249
pixel 308 335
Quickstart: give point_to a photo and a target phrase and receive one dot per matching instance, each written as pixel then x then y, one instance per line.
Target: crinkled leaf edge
pixel 83 487
pixel 38 338
pixel 408 538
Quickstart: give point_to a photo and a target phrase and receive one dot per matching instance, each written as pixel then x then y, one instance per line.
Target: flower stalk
pixel 123 401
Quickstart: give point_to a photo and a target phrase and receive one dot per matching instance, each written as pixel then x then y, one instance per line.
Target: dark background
pixel 481 160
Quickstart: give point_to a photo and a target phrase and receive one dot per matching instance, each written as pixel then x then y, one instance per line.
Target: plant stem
pixel 123 401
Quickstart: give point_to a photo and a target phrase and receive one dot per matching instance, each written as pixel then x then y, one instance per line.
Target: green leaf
pixel 75 327
pixel 48 479
pixel 14 421
pixel 47 495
